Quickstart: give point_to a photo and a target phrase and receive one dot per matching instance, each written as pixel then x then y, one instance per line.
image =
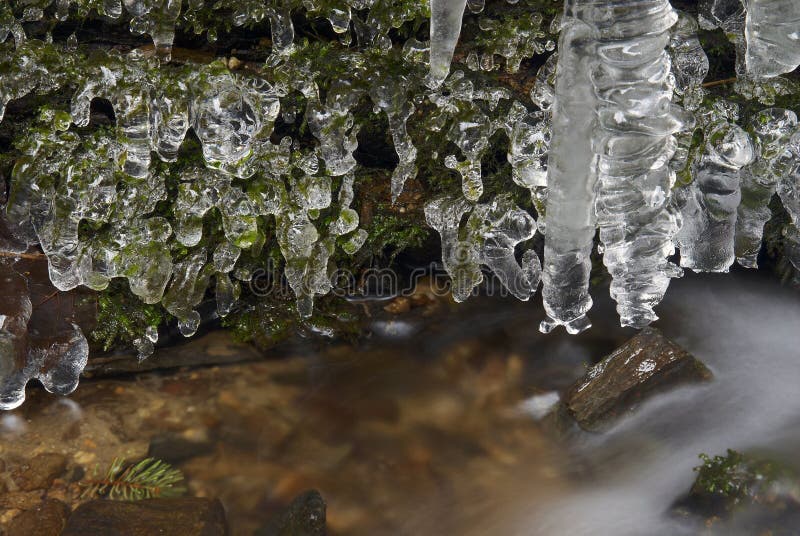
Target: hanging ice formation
pixel 772 129
pixel 612 141
pixel 445 28
pixel 113 200
pixel 706 238
pixel 772 33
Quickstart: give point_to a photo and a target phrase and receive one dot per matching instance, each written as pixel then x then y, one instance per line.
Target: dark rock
pixel 305 516
pixel 214 348
pixel 47 519
pixel 165 517
pixel 40 471
pixel 173 448
pixel 746 492
pixel 647 364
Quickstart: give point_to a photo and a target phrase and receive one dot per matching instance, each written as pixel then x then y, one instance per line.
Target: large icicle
pixel 637 120
pixel 445 28
pixel 571 177
pixel 613 121
pixel 772 32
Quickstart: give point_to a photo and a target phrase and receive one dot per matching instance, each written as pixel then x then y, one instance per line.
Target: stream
pixel 432 426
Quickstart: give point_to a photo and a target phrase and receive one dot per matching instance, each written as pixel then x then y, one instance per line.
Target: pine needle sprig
pixel 147 479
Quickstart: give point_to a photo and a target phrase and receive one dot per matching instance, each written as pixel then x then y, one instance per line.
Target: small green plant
pixel 147 479
pixel 740 478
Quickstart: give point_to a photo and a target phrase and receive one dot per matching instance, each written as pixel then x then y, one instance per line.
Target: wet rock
pixel 214 348
pixel 645 365
pixel 20 500
pixel 305 516
pixel 165 517
pixel 746 492
pixel 47 519
pixel 174 448
pixel 40 471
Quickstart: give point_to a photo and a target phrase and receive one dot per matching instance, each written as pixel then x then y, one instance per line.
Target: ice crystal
pixel 445 28
pixel 709 213
pixel 491 234
pixel 772 130
pixel 773 37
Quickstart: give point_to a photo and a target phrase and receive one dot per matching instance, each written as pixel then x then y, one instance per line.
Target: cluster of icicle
pixel 616 139
pixel 603 152
pixel 233 120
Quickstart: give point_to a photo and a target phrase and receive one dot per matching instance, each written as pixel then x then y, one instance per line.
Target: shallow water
pixel 431 426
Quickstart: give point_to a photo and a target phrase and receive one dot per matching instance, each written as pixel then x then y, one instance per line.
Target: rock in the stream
pixel 173 448
pixel 646 364
pixel 743 494
pixel 40 471
pixel 305 516
pixel 47 519
pixel 164 517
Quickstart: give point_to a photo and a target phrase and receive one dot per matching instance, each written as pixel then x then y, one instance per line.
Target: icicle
pixel 169 119
pixel 15 313
pixel 446 18
pixel 709 217
pixel 193 201
pixel 637 121
pixel 689 61
pixel 527 151
pixel 146 344
pixel 332 125
pixel 773 37
pixel 500 226
pixel 571 180
pixel 613 122
pixel 789 192
pixel 226 120
pixel 389 94
pixel 52 349
pixel 282 32
pixel 189 283
pixel 491 234
pixel 460 258
pixel 771 130
pixel 157 18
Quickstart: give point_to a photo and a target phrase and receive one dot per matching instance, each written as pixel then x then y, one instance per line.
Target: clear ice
pixel 709 214
pixel 445 28
pixel 773 37
pixel 772 129
pixel 612 141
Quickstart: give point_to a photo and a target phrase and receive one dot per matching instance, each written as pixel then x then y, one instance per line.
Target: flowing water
pixel 431 427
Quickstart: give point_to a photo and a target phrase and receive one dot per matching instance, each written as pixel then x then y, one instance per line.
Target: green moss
pixel 739 479
pixel 390 234
pixel 122 317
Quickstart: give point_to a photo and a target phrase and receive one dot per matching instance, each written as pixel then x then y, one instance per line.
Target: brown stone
pixel 165 517
pixel 645 365
pixel 20 500
pixel 39 472
pixel 47 519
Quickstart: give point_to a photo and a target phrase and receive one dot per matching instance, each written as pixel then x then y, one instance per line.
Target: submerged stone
pixel 647 364
pixel 305 516
pixel 47 519
pixel 166 517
